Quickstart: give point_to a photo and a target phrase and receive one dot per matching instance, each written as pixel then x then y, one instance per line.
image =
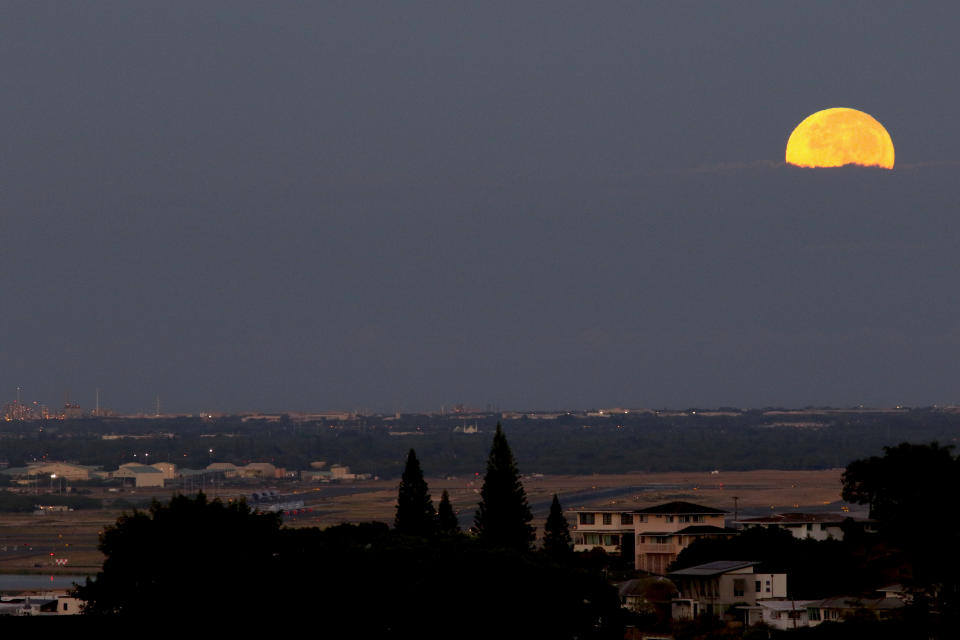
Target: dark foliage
pixel 632 442
pixel 503 516
pixel 806 562
pixel 193 555
pixel 415 514
pixel 190 551
pixel 912 493
pixel 556 532
pixel 384 581
pixel 447 523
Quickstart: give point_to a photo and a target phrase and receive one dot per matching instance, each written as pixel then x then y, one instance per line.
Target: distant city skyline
pixel 20 408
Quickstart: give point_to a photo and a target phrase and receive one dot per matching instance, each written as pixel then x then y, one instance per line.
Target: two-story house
pixel 610 529
pixel 665 530
pixel 653 536
pixel 713 587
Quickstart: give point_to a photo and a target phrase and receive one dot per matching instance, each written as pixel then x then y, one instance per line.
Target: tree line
pixel 569 444
pixel 422 576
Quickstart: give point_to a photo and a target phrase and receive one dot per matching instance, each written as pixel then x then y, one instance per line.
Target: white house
pixel 714 587
pixel 816 526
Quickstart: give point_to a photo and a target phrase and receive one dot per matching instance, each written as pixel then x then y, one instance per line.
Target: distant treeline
pixel 568 444
pixel 15 502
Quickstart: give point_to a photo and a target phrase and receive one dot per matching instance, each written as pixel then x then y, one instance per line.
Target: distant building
pixel 168 469
pixel 141 474
pixel 39 470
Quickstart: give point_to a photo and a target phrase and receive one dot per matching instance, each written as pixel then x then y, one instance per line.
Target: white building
pixel 816 526
pixel 714 587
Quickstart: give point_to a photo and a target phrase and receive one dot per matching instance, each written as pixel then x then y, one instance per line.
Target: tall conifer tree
pixel 447 523
pixel 415 514
pixel 556 532
pixel 503 517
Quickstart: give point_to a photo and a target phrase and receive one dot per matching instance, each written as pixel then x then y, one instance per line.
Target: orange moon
pixel 840 136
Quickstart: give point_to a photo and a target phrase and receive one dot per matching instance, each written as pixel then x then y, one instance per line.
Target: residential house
pixel 609 529
pixel 816 526
pixel 837 609
pixel 779 614
pixel 648 595
pixel 653 536
pixel 714 587
pixel 663 531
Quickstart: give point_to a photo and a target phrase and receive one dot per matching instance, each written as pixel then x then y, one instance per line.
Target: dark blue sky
pixel 247 205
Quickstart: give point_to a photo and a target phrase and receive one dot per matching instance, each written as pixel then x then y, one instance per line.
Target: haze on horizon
pixel 401 206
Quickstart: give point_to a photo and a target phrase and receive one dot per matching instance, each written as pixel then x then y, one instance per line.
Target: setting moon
pixel 840 136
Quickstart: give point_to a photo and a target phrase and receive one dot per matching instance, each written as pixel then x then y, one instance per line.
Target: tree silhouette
pixel 447 523
pixel 904 488
pixel 503 517
pixel 556 532
pixel 415 514
pixel 171 552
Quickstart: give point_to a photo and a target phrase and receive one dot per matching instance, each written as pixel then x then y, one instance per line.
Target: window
pixel 608 518
pixel 758 585
pixel 698 518
pixel 669 518
pixel 586 518
pixel 739 587
pixel 626 518
pixel 814 614
pixel 593 539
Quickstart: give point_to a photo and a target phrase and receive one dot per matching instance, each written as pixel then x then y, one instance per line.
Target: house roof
pixel 797 518
pixel 695 530
pixel 716 568
pixel 846 602
pixel 680 507
pixel 786 605
pixel 657 534
pixel 133 467
pixel 646 586
pixel 705 529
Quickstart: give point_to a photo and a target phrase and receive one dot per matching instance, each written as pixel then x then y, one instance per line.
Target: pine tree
pixel 415 514
pixel 503 517
pixel 556 532
pixel 447 523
